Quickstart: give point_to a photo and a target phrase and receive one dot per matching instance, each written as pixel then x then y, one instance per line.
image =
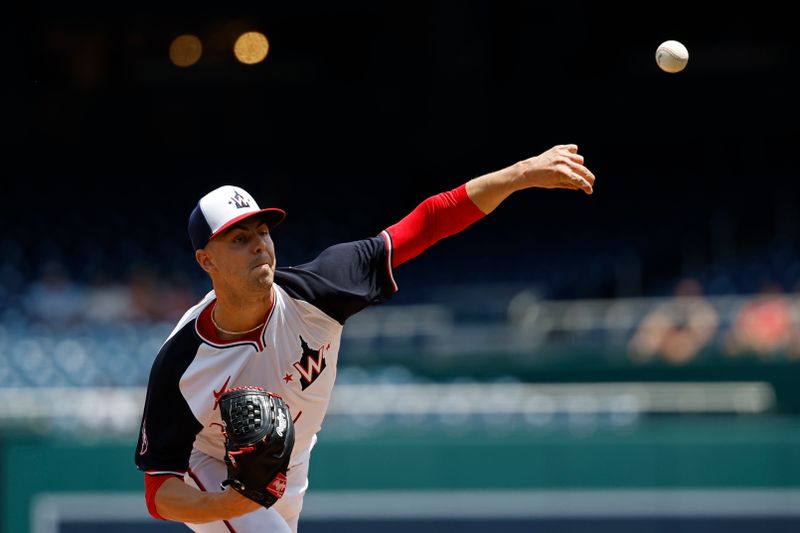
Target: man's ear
pixel 204 260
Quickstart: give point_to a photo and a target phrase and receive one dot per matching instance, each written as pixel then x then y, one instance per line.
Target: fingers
pixel 564 166
pixel 570 151
pixel 574 157
pixel 581 170
pixel 581 177
pixel 580 183
pixel 572 148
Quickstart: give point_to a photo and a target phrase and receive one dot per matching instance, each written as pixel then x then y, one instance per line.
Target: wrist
pixel 232 504
pixel 517 173
pixel 221 504
pixel 511 179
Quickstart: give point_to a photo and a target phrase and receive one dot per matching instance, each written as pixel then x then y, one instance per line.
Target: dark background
pixel 363 109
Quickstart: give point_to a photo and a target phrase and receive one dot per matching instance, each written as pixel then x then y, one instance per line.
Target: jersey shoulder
pixel 343 279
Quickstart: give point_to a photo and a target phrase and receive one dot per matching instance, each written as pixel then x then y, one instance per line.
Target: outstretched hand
pixel 560 167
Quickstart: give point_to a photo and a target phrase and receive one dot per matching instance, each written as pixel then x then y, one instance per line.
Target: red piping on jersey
pixel 438 217
pixel 202 488
pixel 151 485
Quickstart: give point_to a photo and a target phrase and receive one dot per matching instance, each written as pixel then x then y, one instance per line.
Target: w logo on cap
pixel 224 207
pixel 239 201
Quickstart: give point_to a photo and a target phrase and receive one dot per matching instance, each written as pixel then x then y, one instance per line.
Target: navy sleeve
pixel 343 279
pixel 168 425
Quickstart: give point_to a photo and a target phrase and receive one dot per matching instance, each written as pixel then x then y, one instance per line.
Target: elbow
pixel 151 486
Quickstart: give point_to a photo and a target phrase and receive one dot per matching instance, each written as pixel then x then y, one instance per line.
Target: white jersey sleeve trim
pixel 389 253
pixel 164 473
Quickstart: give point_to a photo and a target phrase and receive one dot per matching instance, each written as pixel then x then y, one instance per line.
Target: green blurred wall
pixel 661 453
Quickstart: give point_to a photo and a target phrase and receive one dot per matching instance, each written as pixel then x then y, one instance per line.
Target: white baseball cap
pixel 222 208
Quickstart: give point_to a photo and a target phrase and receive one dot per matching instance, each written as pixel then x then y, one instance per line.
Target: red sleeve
pixel 151 485
pixel 434 219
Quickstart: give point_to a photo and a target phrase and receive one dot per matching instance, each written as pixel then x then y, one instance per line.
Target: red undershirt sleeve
pixel 151 485
pixel 439 216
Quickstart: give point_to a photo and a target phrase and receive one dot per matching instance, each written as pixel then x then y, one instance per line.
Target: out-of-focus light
pixel 251 47
pixel 185 50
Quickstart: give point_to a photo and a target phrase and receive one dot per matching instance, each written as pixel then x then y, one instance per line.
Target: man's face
pixel 242 257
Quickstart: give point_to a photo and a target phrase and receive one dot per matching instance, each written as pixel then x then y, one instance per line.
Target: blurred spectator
pixel 177 297
pixel 107 301
pixel 764 325
pixel 54 299
pixel 145 295
pixel 677 329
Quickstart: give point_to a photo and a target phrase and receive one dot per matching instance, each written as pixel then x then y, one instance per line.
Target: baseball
pixel 672 56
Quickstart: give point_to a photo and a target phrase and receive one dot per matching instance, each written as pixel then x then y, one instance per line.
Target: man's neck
pixel 234 316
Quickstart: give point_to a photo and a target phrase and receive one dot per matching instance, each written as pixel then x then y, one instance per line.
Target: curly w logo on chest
pixel 311 363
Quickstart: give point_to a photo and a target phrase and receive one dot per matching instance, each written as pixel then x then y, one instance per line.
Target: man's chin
pixel 264 282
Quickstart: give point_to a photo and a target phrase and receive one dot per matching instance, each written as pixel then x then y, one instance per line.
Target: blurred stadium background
pixel 623 362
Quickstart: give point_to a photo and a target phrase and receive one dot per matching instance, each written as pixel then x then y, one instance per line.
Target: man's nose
pixel 261 243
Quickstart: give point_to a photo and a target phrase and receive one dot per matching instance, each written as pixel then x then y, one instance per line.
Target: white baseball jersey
pixel 294 355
